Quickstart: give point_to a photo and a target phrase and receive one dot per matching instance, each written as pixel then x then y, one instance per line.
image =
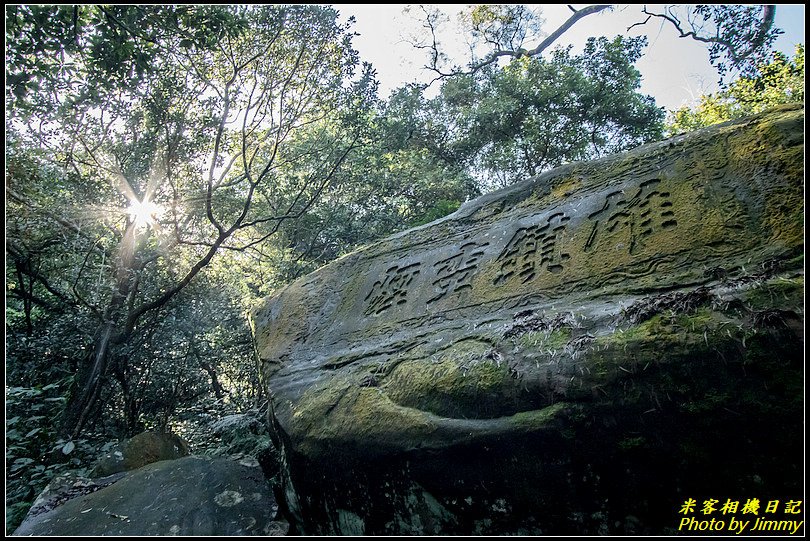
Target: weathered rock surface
pixel 188 496
pixel 579 353
pixel 140 450
pixel 66 486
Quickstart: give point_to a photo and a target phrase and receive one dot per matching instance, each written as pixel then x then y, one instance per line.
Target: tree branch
pixel 576 16
pixel 737 57
pixel 517 53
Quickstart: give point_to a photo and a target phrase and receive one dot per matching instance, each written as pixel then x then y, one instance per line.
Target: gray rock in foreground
pixel 188 496
pixel 579 353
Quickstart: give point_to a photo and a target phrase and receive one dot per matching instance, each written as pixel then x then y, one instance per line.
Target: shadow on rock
pixel 188 496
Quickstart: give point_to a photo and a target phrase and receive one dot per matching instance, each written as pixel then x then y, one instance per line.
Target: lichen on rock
pixel 577 353
pixel 190 496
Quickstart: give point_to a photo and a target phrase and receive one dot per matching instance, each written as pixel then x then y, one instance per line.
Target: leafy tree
pixel 402 173
pixel 191 153
pixel 779 81
pixel 200 348
pixel 66 55
pixel 496 31
pixel 738 37
pixel 514 120
pixel 535 114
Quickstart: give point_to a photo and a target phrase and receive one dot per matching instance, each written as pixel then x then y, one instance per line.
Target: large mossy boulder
pixel 578 353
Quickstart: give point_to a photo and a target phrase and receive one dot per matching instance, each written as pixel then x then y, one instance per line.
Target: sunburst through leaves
pixel 144 213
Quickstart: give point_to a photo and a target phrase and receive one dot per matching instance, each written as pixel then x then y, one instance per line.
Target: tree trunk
pixel 88 384
pixel 90 380
pixel 219 392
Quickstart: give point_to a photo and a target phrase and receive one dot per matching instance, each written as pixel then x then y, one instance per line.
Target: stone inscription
pixel 532 250
pixel 391 290
pixel 647 211
pixel 454 273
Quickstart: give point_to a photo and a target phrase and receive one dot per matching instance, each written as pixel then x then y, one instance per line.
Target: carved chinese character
pixel 534 249
pixel 647 211
pixel 391 290
pixel 455 272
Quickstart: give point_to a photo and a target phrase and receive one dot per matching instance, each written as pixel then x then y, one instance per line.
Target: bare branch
pixel 642 23
pixel 500 53
pixel 209 212
pixel 576 16
pixel 74 287
pixel 736 56
pixel 294 215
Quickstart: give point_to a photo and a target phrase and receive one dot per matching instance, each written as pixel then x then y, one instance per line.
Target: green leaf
pixel 20 463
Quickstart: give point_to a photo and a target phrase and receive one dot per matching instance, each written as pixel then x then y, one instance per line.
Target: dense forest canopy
pixel 168 166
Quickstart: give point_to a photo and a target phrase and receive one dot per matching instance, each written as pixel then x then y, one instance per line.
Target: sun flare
pixel 144 213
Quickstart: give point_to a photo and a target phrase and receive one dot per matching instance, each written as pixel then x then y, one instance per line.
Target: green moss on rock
pixel 537 419
pixel 545 340
pixel 357 416
pixel 781 291
pixel 467 380
pixel 140 450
